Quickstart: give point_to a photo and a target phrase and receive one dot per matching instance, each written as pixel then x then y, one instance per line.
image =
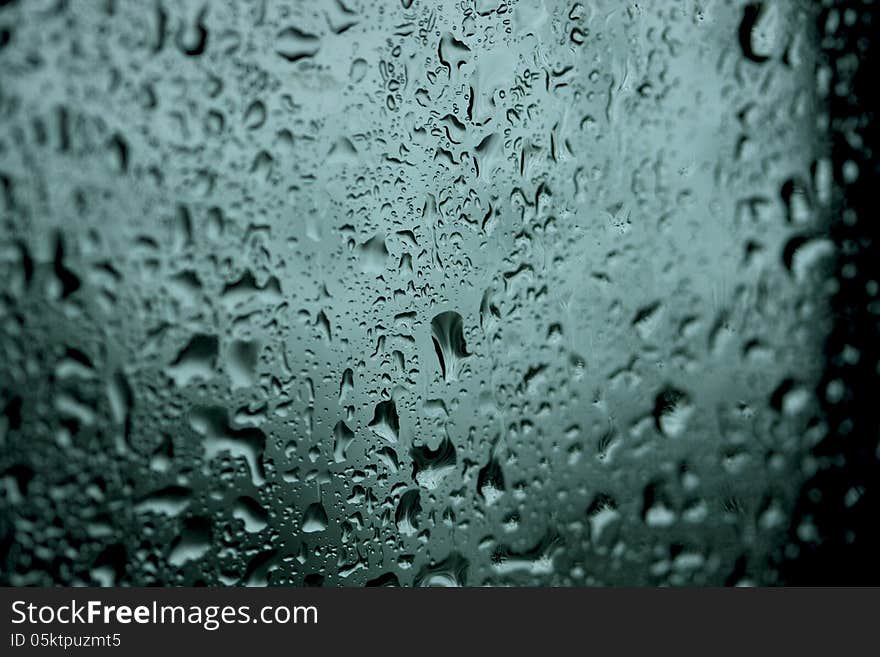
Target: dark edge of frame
pixel 846 552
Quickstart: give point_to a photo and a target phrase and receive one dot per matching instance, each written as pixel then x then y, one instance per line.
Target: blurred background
pixel 437 293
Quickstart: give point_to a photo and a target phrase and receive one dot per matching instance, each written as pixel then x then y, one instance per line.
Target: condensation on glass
pixel 477 292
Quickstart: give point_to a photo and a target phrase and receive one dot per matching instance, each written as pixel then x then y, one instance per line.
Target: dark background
pixel 848 552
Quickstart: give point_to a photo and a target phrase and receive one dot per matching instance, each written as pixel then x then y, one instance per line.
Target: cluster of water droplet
pixel 412 292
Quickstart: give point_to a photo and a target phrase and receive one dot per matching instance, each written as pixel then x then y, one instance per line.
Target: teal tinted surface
pixel 428 293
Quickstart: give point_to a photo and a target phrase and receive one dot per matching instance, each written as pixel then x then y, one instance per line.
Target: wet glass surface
pixel 421 293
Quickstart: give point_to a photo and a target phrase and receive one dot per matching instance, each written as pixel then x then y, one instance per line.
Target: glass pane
pixel 477 292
